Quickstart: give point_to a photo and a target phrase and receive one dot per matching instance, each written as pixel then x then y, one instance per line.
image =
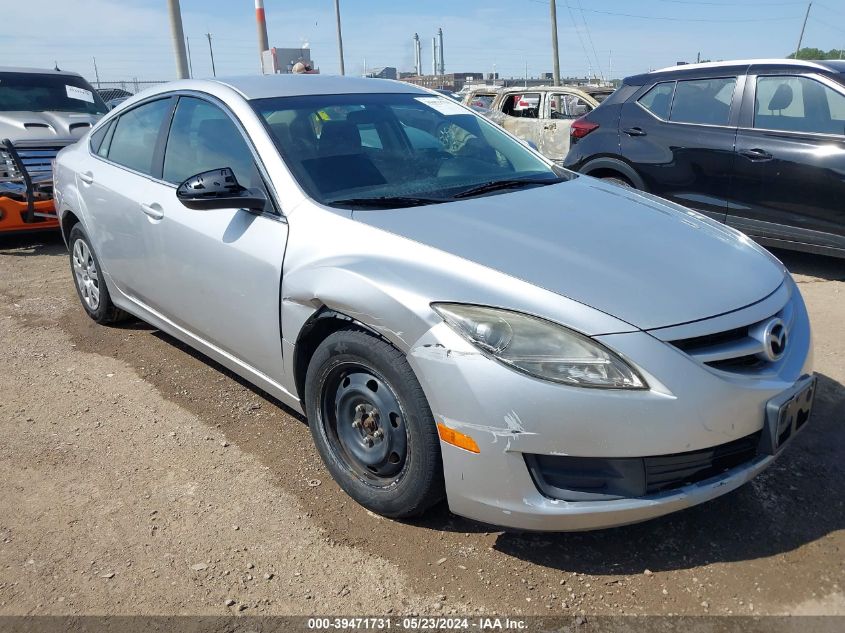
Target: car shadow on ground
pixel 32 244
pixel 818 266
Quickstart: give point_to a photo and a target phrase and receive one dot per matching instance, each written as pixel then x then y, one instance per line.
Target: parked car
pixel 453 313
pixel 599 93
pixel 113 93
pixel 541 115
pixel 113 103
pixel 446 93
pixel 759 145
pixel 480 98
pixel 41 111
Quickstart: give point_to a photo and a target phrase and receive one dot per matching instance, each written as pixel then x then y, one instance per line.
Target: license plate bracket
pixel 788 413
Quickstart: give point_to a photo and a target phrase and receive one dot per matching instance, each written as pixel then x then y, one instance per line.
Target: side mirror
pixel 219 189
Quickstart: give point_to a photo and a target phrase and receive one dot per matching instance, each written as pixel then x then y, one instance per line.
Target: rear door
pixel 560 110
pixel 223 266
pixel 115 185
pixel 790 171
pixel 680 135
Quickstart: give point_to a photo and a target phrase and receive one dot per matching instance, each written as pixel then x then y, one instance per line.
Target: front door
pixel 679 136
pixel 223 266
pixel 789 183
pixel 519 114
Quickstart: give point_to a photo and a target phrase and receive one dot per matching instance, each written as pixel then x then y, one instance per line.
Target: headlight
pixel 540 348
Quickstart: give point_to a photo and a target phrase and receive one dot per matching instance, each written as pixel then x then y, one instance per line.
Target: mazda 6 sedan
pixel 456 316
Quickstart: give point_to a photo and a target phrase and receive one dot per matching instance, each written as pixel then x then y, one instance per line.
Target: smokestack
pixel 417 55
pixel 433 55
pixel 261 23
pixel 440 37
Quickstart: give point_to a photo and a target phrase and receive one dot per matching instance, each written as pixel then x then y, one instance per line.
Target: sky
pixel 131 38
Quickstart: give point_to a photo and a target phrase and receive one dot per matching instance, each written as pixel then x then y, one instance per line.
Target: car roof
pixel 37 71
pixel 289 85
pixel 737 65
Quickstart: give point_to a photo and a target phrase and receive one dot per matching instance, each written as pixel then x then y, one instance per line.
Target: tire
pixel 618 180
pixel 356 387
pixel 88 279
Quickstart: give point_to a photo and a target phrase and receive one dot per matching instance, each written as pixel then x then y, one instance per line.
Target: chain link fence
pixel 116 89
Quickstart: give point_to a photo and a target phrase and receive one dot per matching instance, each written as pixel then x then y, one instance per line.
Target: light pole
pixel 211 52
pixel 803 26
pixel 339 36
pixel 178 37
pixel 553 15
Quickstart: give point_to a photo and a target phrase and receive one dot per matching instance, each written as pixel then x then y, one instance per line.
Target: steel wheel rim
pixel 86 275
pixel 365 425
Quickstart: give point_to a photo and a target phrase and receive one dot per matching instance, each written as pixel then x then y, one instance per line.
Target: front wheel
pixel 372 425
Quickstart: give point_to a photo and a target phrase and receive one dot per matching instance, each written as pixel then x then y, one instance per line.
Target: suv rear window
pixel 42 92
pixel 658 100
pixel 704 101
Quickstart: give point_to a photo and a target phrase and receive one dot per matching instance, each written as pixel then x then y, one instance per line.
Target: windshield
pixel 348 149
pixel 38 92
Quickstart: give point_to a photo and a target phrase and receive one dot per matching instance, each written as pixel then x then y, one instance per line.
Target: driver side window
pixel 202 137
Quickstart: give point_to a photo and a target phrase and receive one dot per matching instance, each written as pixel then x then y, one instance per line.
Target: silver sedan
pixel 456 316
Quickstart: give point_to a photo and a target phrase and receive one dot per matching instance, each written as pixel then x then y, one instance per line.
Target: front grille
pixel 739 350
pixel 596 478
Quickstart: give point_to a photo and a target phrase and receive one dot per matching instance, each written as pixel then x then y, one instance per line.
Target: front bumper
pixel 689 407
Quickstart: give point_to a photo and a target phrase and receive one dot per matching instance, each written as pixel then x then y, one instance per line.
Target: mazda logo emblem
pixel 774 339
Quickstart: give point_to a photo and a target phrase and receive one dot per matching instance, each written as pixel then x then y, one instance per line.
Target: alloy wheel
pixel 85 272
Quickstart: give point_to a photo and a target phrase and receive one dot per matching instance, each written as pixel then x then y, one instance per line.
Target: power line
pixel 733 4
pixel 578 33
pixel 674 19
pixel 590 38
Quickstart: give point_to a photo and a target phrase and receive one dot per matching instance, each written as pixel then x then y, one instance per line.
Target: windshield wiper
pixel 386 202
pixel 513 183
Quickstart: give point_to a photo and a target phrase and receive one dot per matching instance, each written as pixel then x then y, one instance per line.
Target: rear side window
pixel 135 134
pixel 97 137
pixel 703 101
pixel 798 104
pixel 658 100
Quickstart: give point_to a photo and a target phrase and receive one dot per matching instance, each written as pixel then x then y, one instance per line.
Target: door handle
pixel 635 131
pixel 87 177
pixel 756 154
pixel 153 210
pixel 550 126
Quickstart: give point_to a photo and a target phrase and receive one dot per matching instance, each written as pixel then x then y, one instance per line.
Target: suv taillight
pixel 581 127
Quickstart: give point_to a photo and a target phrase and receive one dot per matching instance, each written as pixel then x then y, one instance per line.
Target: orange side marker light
pixel 456 438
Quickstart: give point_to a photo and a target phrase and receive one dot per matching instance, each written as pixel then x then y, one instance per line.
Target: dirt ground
pixel 137 477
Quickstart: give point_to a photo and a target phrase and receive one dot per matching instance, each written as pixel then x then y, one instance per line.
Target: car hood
pixel 641 260
pixel 62 127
